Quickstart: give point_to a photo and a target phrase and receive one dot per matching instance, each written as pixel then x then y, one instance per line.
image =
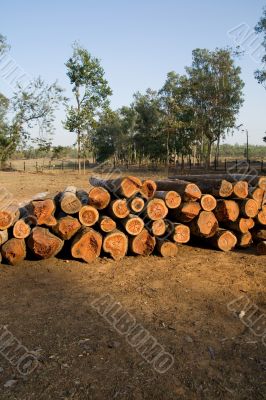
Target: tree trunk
pixel 142 244
pixel 99 197
pixel 43 243
pixel 226 210
pixel 133 224
pixel 241 225
pixel 186 212
pixel 166 248
pixel 248 208
pixel 118 209
pixel 148 188
pixel 88 215
pixel 189 191
pixel 107 224
pixel 116 244
pixel 125 187
pixel 137 204
pixel 3 237
pixel 205 225
pixel 172 199
pixel 66 227
pixel 14 251
pixel 224 240
pixel 69 201
pixel 179 233
pixel 261 248
pixel 208 202
pixel 21 230
pixel 86 245
pixel 156 209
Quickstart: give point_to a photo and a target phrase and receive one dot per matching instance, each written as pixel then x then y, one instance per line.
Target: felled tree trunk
pixel 186 212
pixel 241 225
pixel 99 198
pixel 224 240
pixel 43 211
pixel 208 202
pixel 189 191
pixel 261 248
pixel 66 227
pixel 87 244
pixel 88 215
pixel 125 187
pixel 116 244
pixel 3 236
pixel 118 209
pixel 166 248
pixel 171 198
pixel 156 209
pixel 133 224
pixel 227 210
pixel 14 251
pixel 69 202
pixel 8 216
pixel 205 225
pixel 148 188
pixel 180 233
pixel 107 224
pixel 143 244
pixel 43 244
pixel 244 239
pixel 137 204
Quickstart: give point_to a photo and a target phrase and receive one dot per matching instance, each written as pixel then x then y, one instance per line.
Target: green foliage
pixel 260 75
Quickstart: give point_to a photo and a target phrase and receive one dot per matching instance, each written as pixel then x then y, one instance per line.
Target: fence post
pixel 261 165
pixel 249 165
pixel 62 164
pixel 49 165
pixel 36 166
pixel 236 165
pixel 225 166
pixel 24 166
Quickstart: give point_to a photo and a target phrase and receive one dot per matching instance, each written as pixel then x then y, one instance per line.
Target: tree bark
pixel 224 240
pixel 43 244
pixel 189 191
pixel 125 187
pixel 14 251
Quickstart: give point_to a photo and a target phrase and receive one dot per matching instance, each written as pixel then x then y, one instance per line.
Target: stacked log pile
pixel 127 216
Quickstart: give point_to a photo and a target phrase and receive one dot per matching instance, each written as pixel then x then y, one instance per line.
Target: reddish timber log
pixel 118 208
pixel 171 198
pixel 86 244
pixel 249 208
pixel 241 225
pixel 189 191
pixel 261 217
pixel 143 244
pixel 106 223
pixel 180 233
pixel 43 244
pixel 258 235
pixel 186 212
pixel 43 211
pixel 133 224
pixel 136 204
pixel 156 209
pixel 261 248
pixel 158 227
pixel 116 244
pixel 88 215
pixel 8 216
pixel 224 240
pixel 14 251
pixel 227 210
pixel 125 187
pixel 3 237
pixel 244 239
pixel 208 202
pixel 240 190
pixel 21 229
pixel 166 248
pixel 205 225
pixel 66 227
pixel 99 197
pixel 148 188
pixel 69 202
pixel 216 187
pixel 257 194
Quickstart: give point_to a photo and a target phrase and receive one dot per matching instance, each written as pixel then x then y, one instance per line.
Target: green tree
pixel 91 91
pixel 260 75
pixel 216 94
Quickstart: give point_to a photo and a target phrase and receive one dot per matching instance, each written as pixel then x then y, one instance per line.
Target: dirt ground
pixel 182 302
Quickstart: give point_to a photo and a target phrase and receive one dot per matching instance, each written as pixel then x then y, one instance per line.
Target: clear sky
pixel 137 41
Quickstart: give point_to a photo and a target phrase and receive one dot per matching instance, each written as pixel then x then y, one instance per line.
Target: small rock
pixel 113 345
pixel 189 339
pixel 10 383
pixel 242 314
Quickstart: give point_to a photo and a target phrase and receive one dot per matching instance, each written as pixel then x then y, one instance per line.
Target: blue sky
pixel 138 42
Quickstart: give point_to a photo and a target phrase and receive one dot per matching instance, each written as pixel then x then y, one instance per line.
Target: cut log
pixel 240 190
pixel 172 199
pixel 249 208
pixel 148 188
pixel 261 248
pixel 244 239
pixel 186 212
pixel 21 229
pixel 208 202
pixel 227 210
pixel 216 187
pixel 116 244
pixel 257 194
pixel 69 202
pixel 118 208
pixel 43 210
pixel 253 180
pixel 14 251
pixel 189 191
pixel 143 244
pixel 83 196
pixel 205 225
pixel 99 197
pixel 88 215
pixel 43 244
pixel 158 227
pixel 136 204
pixel 3 237
pixel 166 248
pixel 224 240
pixel 107 224
pixel 86 245
pixel 125 187
pixel 261 217
pixel 133 224
pixel 241 225
pixel 66 227
pixel 258 235
pixel 8 216
pixel 156 209
pixel 180 233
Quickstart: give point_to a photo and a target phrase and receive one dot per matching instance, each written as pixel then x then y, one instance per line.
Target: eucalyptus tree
pixel 91 92
pixel 260 28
